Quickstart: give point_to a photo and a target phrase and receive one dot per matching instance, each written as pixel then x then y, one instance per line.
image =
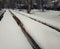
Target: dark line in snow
pixel 51 26
pixel 29 38
pixel 1 15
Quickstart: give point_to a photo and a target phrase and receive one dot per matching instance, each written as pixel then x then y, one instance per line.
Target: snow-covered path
pixel 50 17
pixel 46 37
pixel 11 36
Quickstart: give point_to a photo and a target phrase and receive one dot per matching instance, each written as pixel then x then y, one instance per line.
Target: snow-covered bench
pixel 46 38
pixel 11 35
pixel 51 18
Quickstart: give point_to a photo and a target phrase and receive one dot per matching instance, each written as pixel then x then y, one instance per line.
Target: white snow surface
pixel 50 17
pixel 45 37
pixel 11 36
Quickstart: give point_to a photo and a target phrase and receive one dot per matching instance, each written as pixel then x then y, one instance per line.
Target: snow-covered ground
pixel 50 17
pixel 11 36
pixel 45 37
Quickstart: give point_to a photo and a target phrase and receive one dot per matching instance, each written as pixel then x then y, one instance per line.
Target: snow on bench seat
pixel 45 37
pixel 50 17
pixel 11 36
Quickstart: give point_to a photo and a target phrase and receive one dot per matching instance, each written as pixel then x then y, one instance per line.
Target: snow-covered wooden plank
pixel 51 18
pixel 11 35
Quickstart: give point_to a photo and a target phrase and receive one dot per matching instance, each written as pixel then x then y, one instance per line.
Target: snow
pixel 45 37
pixel 11 36
pixel 50 17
